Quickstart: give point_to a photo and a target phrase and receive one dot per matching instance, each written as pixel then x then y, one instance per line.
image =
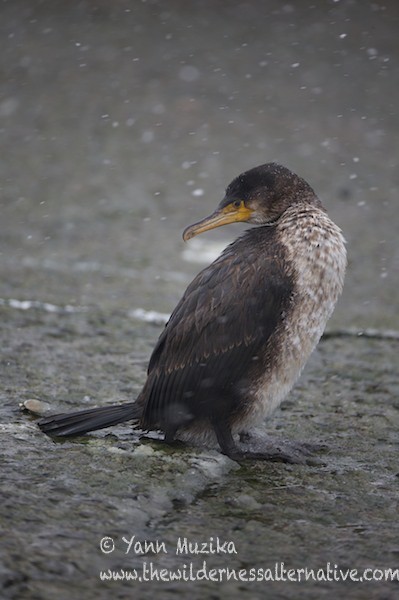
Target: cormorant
pixel 246 325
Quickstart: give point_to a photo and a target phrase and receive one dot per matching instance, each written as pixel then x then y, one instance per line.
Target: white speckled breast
pixel 316 250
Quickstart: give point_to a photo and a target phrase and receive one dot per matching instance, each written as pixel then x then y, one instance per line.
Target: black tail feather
pixel 83 421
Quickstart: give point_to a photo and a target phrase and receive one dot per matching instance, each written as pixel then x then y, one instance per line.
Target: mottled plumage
pixel 246 325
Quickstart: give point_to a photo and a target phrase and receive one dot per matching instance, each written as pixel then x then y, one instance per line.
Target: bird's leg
pixel 169 438
pixel 225 439
pixel 170 432
pixel 228 447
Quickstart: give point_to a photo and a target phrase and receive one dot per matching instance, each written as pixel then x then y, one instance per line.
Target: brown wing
pixel 217 332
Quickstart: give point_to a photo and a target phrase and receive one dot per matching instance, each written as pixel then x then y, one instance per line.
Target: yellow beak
pixel 231 213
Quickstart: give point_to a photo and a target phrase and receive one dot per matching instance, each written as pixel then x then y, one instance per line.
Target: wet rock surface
pixel 111 146
pixel 61 499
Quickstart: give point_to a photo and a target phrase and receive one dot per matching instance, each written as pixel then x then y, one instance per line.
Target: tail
pixel 83 421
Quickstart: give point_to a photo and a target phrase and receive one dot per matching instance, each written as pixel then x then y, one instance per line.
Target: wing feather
pixel 218 329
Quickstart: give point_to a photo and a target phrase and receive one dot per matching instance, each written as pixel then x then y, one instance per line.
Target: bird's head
pixel 260 195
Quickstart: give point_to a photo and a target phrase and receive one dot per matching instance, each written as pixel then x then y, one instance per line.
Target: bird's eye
pixel 237 203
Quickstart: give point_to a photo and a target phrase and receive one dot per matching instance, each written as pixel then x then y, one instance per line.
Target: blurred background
pixel 122 122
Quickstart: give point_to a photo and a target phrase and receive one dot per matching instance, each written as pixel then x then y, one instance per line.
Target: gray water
pixel 122 123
